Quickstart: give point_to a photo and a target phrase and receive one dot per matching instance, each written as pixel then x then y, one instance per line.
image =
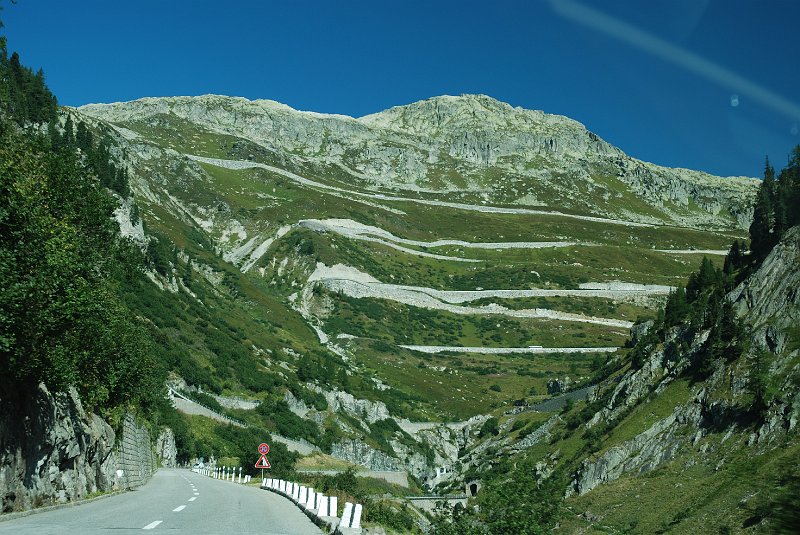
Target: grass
pixel 648 412
pixel 688 495
pixel 401 324
pixel 458 386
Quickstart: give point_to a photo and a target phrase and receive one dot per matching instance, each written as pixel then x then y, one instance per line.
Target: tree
pixel 732 333
pixel 762 227
pixel 83 138
pixel 68 139
pixel 61 320
pixel 757 385
pixel 676 309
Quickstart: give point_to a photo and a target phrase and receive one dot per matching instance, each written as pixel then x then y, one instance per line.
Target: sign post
pixel 262 463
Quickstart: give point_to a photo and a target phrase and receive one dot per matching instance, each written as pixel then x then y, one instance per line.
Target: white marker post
pixel 322 506
pixel 356 523
pixel 333 506
pixel 347 514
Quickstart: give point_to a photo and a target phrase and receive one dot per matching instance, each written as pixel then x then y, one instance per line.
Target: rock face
pixel 52 451
pixel 166 449
pixel 769 301
pixel 470 146
pixel 355 451
pixel 644 452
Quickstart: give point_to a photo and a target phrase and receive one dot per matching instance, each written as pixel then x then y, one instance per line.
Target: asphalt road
pixel 174 501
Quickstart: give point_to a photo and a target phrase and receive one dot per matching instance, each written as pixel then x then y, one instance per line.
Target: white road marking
pixel 197 494
pixel 179 509
pixel 193 498
pixel 151 525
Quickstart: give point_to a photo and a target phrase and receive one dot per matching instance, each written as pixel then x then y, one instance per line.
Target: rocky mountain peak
pixel 456 113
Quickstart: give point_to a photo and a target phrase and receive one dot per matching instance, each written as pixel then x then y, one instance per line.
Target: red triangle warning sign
pixel 263 462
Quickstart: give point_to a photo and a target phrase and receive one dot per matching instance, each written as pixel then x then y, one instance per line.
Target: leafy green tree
pixel 489 427
pixel 61 321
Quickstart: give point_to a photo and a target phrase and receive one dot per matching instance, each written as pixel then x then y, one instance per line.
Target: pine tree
pixel 761 240
pixel 758 384
pixel 68 138
pixel 733 261
pixel 707 277
pixel 732 333
pixel 83 138
pixel 790 178
pixel 676 308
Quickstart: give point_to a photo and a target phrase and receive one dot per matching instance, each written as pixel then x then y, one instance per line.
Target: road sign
pixel 263 448
pixel 263 462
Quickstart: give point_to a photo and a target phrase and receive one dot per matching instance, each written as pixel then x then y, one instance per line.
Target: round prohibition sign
pixel 263 448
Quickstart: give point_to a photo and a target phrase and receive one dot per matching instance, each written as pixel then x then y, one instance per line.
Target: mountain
pixel 400 290
pixel 471 148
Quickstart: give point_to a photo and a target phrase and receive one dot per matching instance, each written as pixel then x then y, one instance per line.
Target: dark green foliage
pixel 165 415
pixel 242 442
pixel 757 386
pixel 283 421
pixel 24 96
pixel 676 309
pixel 61 261
pixel 761 237
pixel 490 427
pixel 159 253
pixel 459 522
pixel 777 207
pixel 784 507
pixel 521 504
pixel 390 515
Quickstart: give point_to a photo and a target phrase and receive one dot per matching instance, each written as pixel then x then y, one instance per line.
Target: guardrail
pixel 322 510
pixel 225 473
pixel 187 397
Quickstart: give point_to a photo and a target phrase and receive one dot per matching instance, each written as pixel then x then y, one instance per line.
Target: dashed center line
pixel 179 509
pixel 151 525
pixel 193 498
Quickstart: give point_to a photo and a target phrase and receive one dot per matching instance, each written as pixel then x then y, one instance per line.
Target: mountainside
pixel 472 148
pixel 414 289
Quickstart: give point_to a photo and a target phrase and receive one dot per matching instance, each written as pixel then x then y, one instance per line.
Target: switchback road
pixel 174 501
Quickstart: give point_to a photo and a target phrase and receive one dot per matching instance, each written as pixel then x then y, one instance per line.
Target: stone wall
pixel 53 451
pixel 135 459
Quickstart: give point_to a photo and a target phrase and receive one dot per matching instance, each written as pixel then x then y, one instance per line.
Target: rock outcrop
pixel 770 298
pixel 53 451
pixel 769 301
pixel 470 145
pixel 357 452
pixel 166 449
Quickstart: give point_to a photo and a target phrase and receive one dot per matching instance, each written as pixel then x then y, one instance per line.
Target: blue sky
pixel 659 79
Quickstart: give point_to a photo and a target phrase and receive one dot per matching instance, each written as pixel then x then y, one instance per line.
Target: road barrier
pixel 321 509
pixel 222 473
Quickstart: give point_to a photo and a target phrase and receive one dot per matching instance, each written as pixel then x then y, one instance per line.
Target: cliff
pixel 53 451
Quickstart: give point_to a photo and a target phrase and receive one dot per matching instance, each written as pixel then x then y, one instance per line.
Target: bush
pixel 489 427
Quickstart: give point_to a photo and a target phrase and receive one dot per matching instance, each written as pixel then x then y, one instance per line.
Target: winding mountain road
pixel 174 501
